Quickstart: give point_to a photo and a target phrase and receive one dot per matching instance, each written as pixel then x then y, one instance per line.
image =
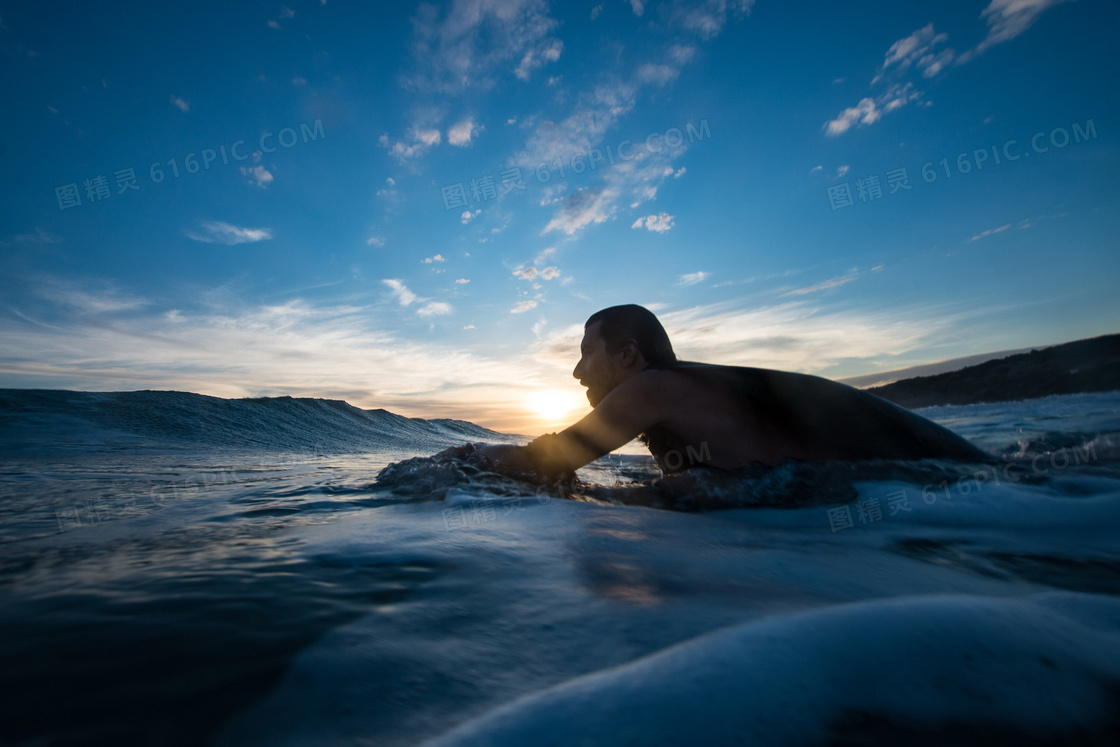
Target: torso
pixel 729 417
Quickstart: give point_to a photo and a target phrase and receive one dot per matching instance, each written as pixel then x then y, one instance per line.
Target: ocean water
pixel 178 569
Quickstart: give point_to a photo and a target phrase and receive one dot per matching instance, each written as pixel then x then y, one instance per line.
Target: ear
pixel 629 354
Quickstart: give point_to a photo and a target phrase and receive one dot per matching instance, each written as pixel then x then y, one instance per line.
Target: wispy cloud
pixel 869 110
pixel 916 49
pixel 217 232
pixel 693 278
pixel 434 308
pixel 345 351
pixel 406 298
pixel 101 339
pixel 182 104
pixel 707 18
pixel 658 223
pixel 1009 18
pixel 796 335
pixel 657 74
pixel 415 144
pixel 835 282
pixel 924 51
pixel 38 236
pixel 400 291
pixel 462 133
pixel 258 175
pixel 990 231
pixel 470 43
pixel 583 208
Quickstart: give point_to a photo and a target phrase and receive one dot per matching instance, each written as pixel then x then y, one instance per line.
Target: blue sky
pixel 416 206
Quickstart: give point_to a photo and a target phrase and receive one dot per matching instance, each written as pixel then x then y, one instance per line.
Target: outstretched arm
pixel 626 412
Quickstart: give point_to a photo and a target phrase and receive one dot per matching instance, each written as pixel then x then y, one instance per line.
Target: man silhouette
pixel 724 417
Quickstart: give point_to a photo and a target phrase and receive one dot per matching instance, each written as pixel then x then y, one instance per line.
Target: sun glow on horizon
pixel 555 406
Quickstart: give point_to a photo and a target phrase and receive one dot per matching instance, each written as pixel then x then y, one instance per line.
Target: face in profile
pixel 597 369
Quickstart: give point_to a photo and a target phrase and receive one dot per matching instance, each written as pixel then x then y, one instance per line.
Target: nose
pixel 578 369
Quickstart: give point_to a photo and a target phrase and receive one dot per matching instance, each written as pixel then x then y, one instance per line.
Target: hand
pixel 505 459
pixel 456 452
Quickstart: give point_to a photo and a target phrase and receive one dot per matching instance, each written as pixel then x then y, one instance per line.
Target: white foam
pixel 1047 666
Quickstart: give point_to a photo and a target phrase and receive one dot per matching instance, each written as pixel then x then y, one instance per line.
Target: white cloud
pixel 462 281
pixel 88 299
pixel 868 110
pixel 400 291
pixel 693 278
pixel 549 273
pixel 522 306
pixel 526 273
pixel 183 105
pixel 217 232
pixel 682 54
pixel 462 133
pixel 435 308
pixel 835 282
pixel 348 352
pixel 406 298
pixel 38 237
pixel 657 74
pixel 436 258
pixel 216 345
pixel 659 223
pixel 376 241
pixel 596 11
pixel 536 58
pixel 1006 20
pixel 594 114
pixel 299 81
pixel 842 170
pixel 799 336
pixel 1009 18
pixel 638 179
pixel 583 208
pixel 468 216
pixel 258 175
pixel 991 231
pixel 708 17
pixel 916 48
pixel 415 144
pixel 638 6
pixel 468 43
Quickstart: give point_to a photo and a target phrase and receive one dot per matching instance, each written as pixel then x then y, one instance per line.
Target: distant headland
pixel 1090 365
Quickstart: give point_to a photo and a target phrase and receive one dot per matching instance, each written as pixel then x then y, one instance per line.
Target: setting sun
pixel 556 405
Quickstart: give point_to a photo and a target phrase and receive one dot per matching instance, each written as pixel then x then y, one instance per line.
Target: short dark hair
pixel 619 325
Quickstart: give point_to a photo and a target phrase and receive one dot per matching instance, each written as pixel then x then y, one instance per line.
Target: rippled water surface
pixel 155 591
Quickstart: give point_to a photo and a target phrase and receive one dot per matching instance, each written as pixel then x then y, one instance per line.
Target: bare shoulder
pixel 650 385
pixel 658 393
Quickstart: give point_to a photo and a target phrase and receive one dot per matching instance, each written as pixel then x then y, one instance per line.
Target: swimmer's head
pixel 617 343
